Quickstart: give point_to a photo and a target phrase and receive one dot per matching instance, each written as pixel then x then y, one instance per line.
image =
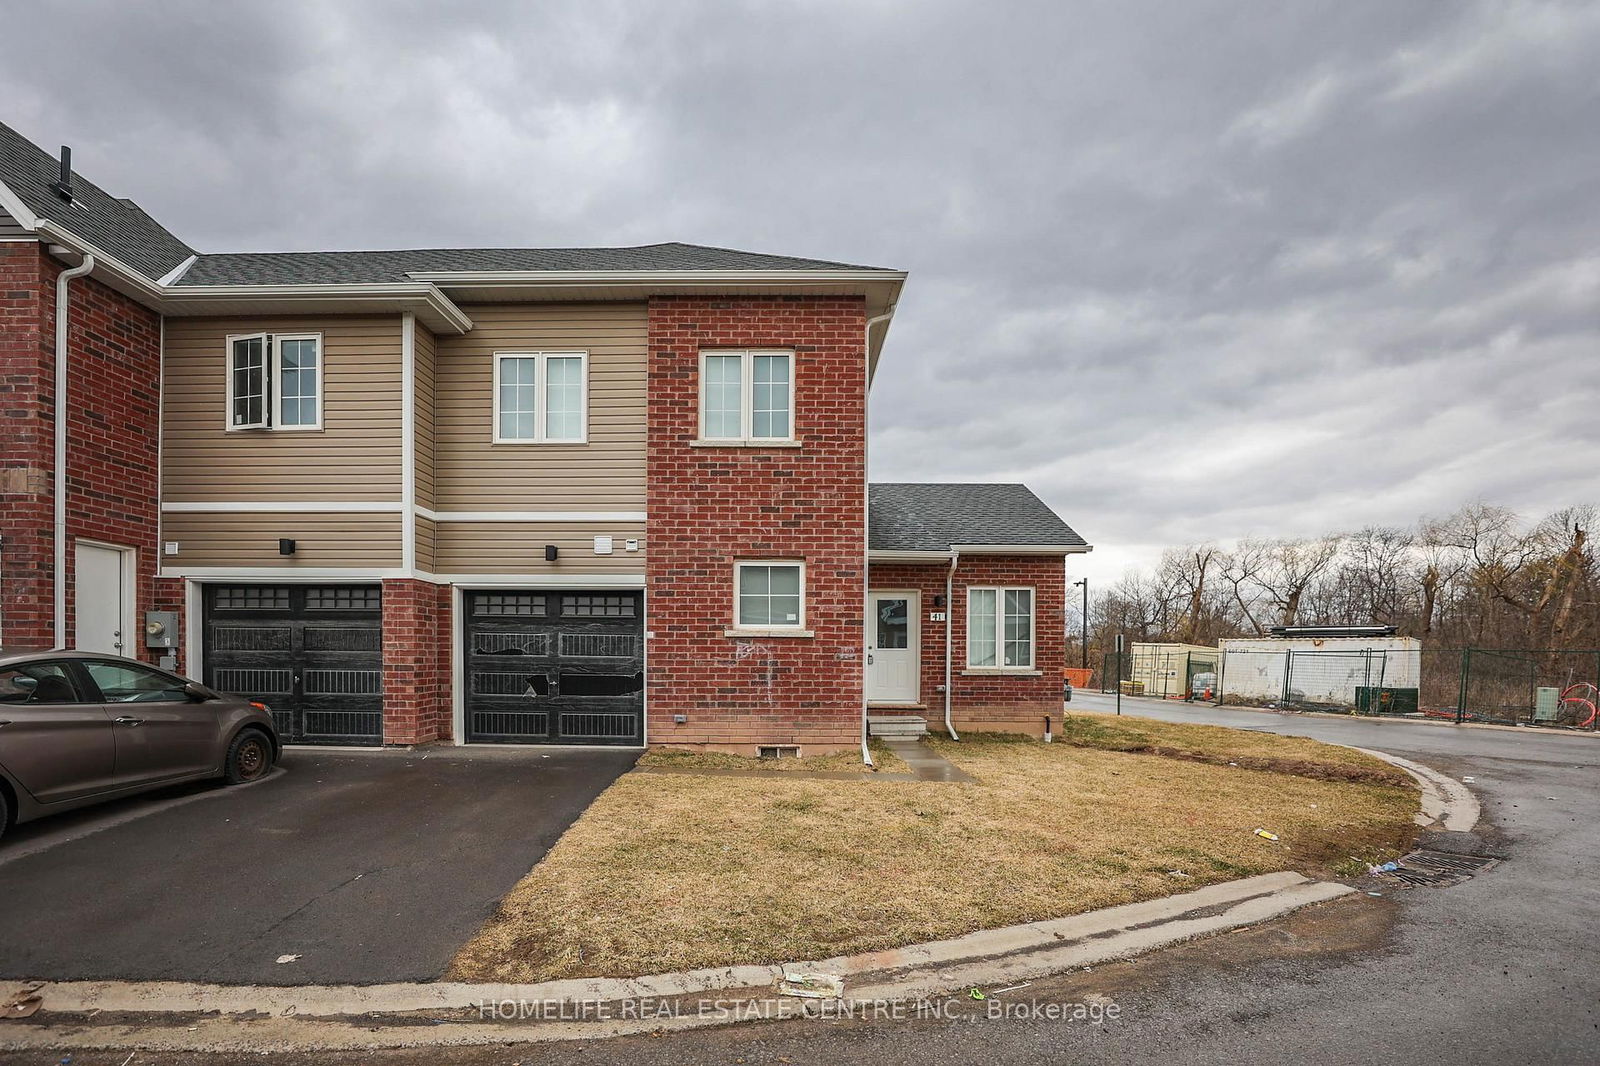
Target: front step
pixel 896 725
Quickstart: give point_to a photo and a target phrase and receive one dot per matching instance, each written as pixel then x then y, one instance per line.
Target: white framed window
pixel 275 381
pixel 769 594
pixel 1000 628
pixel 541 397
pixel 746 395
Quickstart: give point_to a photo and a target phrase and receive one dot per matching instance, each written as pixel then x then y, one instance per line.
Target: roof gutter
pixel 63 280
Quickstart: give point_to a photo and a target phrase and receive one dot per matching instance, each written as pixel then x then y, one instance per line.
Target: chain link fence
pixel 1549 688
pixel 1169 673
pixel 1346 681
pixel 1535 687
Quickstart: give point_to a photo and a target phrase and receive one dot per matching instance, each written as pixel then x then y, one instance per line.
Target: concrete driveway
pixel 370 866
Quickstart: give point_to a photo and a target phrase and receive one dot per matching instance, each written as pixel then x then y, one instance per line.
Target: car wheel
pixel 5 812
pixel 249 757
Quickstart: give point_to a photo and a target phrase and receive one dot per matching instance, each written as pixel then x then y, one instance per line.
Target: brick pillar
pixel 416 661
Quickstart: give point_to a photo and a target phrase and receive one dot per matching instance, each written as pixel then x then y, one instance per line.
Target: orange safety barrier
pixel 1078 678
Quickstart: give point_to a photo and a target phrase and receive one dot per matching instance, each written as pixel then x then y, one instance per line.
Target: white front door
pixel 103 601
pixel 892 661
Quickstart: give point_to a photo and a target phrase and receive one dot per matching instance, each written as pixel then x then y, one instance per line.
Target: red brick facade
pixel 114 404
pixel 416 662
pixel 987 701
pixel 711 506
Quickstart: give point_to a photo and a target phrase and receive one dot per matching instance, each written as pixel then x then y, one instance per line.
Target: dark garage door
pixel 555 667
pixel 313 653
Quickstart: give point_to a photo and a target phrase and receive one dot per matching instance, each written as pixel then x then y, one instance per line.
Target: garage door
pixel 313 653
pixel 554 667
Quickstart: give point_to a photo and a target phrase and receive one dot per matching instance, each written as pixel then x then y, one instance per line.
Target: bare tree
pixel 1290 568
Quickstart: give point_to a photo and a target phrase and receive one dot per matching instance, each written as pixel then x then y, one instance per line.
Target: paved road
pixel 372 866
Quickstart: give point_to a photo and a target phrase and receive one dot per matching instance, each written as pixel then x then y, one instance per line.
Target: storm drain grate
pixel 1436 869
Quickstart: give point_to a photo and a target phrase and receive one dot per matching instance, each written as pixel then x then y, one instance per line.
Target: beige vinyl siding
pixel 608 473
pixel 426 539
pixel 425 378
pixel 355 456
pixel 364 540
pixel 518 547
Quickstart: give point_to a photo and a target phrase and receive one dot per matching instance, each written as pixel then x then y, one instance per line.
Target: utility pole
pixel 1120 646
pixel 1085 584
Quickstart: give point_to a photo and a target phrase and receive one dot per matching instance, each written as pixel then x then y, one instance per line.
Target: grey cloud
pixel 1194 271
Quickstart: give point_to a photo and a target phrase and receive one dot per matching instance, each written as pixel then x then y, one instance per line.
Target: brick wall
pixel 416 662
pixel 709 507
pixel 993 702
pixel 114 400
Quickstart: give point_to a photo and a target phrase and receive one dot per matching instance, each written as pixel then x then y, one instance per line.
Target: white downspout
pixel 866 533
pixel 949 647
pixel 62 281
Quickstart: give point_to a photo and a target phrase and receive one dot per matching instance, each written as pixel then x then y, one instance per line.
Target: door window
pixel 36 683
pixel 126 683
pixel 894 624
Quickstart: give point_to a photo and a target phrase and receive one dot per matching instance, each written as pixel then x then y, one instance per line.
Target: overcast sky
pixel 1190 270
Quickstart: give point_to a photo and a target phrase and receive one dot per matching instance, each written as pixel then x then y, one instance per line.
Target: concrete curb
pixel 351 1017
pixel 1446 803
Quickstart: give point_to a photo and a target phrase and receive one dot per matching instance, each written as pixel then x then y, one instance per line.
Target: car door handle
pixel 127 720
pixel 4 722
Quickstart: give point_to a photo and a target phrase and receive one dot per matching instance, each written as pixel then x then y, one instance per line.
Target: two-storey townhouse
pixel 581 496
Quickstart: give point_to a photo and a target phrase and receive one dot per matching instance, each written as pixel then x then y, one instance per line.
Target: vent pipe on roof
pixel 63 186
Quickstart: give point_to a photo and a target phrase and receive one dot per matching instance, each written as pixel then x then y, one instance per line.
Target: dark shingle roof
pixel 119 227
pixel 931 517
pixel 325 268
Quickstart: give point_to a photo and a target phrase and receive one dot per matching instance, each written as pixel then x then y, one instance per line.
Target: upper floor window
pixel 541 397
pixel 746 396
pixel 1000 628
pixel 275 381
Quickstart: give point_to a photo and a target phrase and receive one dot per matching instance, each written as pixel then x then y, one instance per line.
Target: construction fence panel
pixel 1352 681
pixel 1553 688
pixel 1164 672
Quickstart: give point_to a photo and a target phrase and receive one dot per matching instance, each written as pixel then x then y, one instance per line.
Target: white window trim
pixel 540 359
pixel 793 629
pixel 999 666
pixel 273 395
pixel 746 398
pixel 277 369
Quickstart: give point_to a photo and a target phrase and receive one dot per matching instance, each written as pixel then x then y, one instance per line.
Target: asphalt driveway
pixel 371 866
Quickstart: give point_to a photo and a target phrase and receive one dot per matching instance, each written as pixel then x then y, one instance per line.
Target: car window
pixel 36 683
pixel 127 683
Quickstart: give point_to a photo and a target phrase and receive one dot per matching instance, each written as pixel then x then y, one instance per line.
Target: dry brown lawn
pixel 669 872
pixel 1217 744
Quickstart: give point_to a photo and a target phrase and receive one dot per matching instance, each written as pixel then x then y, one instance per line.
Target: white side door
pixel 104 599
pixel 892 665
